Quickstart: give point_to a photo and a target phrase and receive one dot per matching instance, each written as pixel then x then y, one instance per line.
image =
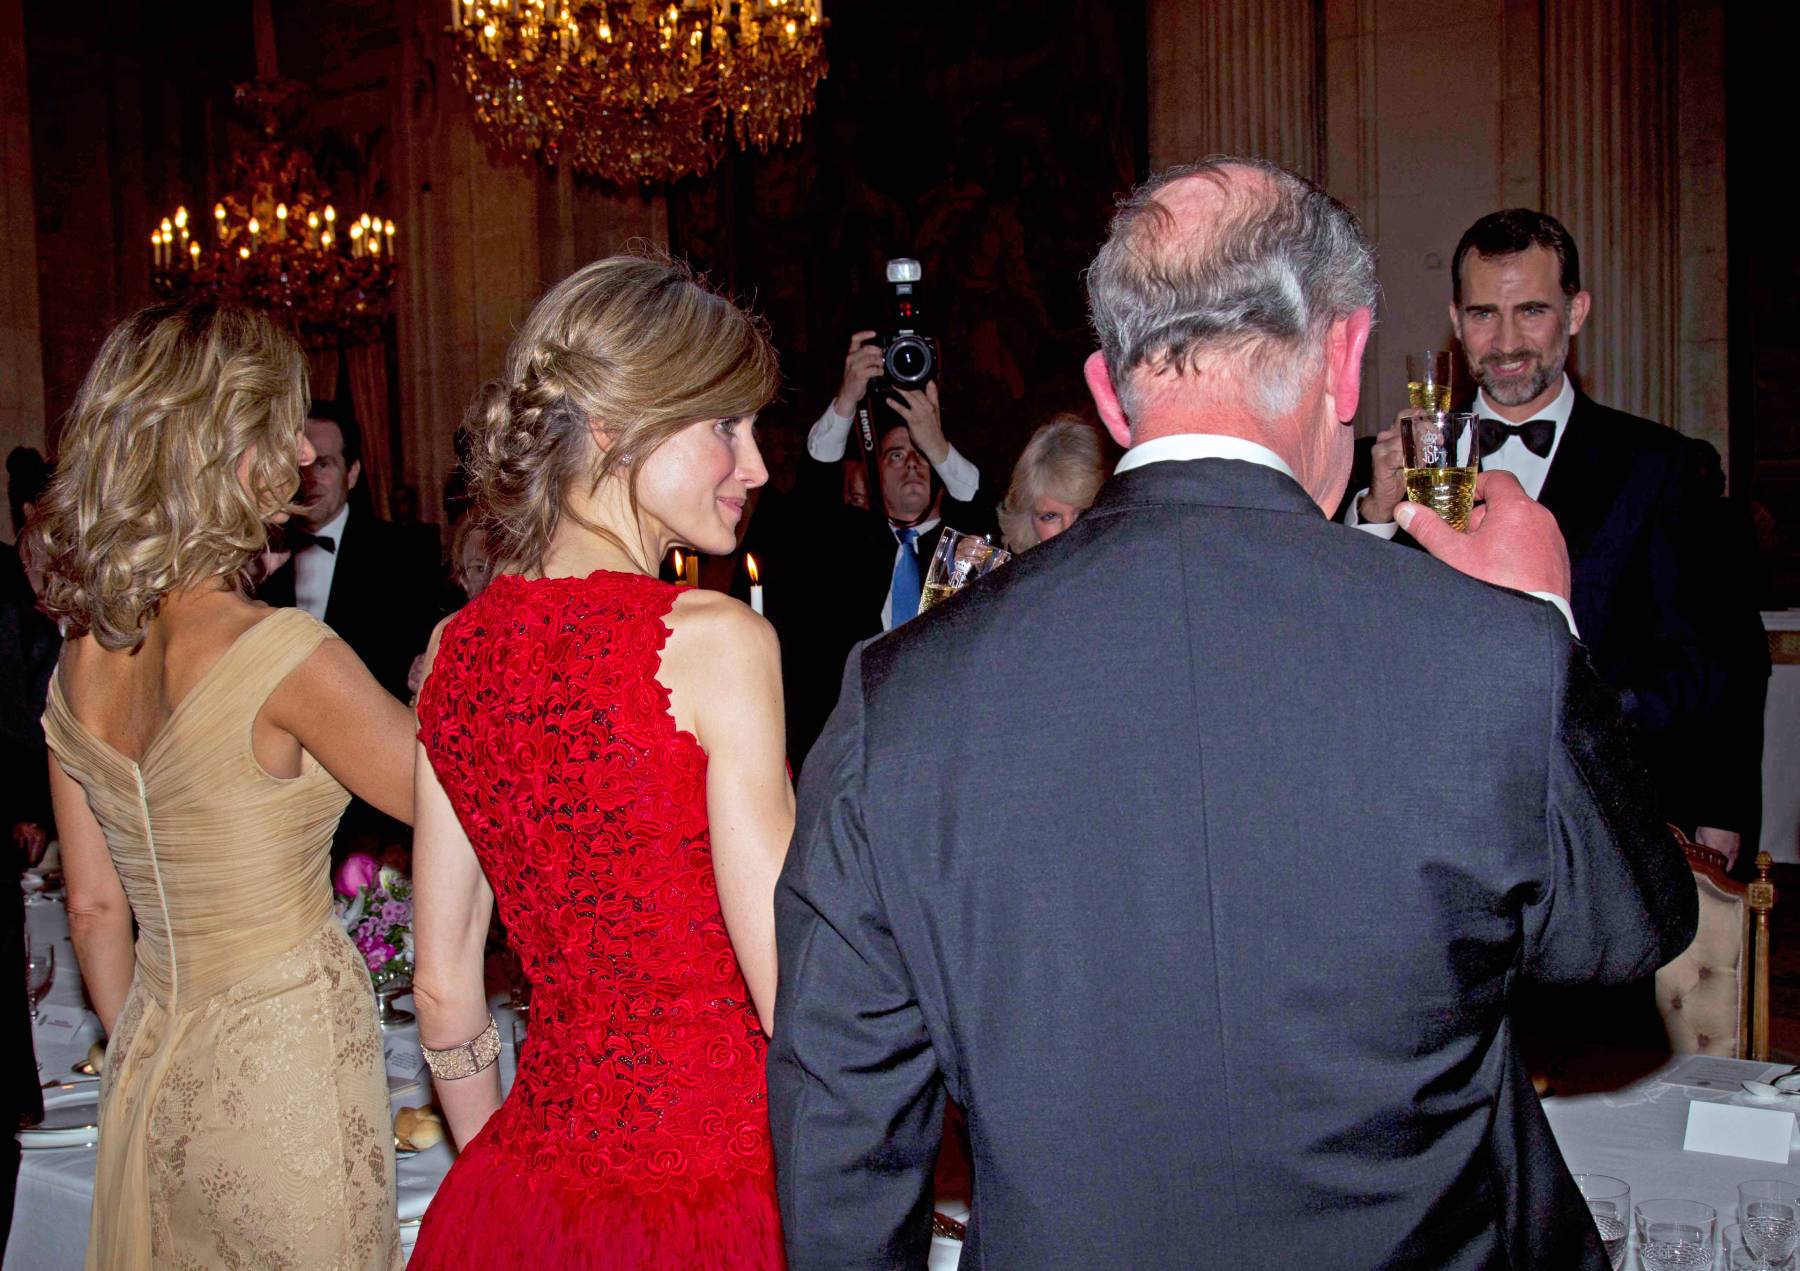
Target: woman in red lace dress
pixel 602 755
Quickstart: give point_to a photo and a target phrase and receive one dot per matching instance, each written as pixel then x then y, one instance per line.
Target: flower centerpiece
pixel 374 902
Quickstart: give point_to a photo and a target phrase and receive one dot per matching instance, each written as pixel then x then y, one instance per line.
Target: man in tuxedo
pixel 369 581
pixel 1634 503
pixel 875 562
pixel 1097 849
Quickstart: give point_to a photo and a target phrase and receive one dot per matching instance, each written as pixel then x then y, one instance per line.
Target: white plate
pixel 71 1118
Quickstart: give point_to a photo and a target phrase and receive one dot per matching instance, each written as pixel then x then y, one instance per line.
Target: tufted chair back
pixel 1714 998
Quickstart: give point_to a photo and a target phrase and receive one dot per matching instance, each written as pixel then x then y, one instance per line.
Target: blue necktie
pixel 904 594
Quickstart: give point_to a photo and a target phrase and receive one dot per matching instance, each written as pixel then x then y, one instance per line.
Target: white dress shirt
pixel 1178 446
pixel 921 529
pixel 314 567
pixel 1512 456
pixel 831 433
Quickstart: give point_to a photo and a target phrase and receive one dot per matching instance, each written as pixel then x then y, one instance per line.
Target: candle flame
pixel 679 570
pixel 750 564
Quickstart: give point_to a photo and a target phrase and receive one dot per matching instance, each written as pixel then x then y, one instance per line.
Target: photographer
pixel 919 411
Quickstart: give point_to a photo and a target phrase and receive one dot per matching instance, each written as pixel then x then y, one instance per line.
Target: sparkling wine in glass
pixel 958 561
pixel 1440 460
pixel 1428 380
pixel 1769 1218
pixel 1609 1201
pixel 1675 1235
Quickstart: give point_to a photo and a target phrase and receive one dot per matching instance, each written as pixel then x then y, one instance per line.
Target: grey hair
pixel 1062 459
pixel 1258 286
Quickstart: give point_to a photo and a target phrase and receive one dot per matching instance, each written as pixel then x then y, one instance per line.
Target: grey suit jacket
pixel 1101 849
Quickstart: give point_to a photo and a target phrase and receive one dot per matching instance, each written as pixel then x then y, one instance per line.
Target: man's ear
pixel 1099 382
pixel 1578 310
pixel 353 475
pixel 1345 343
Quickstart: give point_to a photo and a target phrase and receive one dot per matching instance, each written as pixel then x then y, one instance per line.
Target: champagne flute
pixel 1769 1217
pixel 1428 379
pixel 1675 1235
pixel 1609 1201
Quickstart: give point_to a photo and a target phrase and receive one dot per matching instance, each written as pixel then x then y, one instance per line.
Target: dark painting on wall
pixel 988 141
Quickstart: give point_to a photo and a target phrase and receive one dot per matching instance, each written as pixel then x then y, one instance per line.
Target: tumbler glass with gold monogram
pixel 958 561
pixel 1439 461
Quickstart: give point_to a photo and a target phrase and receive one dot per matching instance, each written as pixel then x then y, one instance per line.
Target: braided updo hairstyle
pixel 635 346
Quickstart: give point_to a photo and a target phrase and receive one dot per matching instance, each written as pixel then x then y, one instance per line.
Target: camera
pixel 909 358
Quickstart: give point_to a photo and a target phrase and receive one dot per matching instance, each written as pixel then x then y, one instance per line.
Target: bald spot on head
pixel 1190 222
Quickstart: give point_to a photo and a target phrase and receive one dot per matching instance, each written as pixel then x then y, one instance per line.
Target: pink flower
pixel 356 873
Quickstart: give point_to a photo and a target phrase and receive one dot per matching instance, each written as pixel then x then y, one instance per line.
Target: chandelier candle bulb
pixel 756 591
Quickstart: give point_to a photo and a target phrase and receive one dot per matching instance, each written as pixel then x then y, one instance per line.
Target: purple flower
pixel 396 912
pixel 356 873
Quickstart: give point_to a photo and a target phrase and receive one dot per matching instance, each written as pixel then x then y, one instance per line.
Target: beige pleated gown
pixel 243 1113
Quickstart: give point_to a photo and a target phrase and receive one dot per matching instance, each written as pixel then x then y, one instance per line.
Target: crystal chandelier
pixel 276 240
pixel 636 92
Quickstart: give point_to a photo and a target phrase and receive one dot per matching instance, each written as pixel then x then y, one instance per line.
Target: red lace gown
pixel 637 1131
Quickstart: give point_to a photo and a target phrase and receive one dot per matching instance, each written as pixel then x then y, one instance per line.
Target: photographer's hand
pixel 861 364
pixel 923 421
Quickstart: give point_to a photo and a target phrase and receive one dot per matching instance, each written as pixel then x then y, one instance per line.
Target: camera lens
pixel 908 361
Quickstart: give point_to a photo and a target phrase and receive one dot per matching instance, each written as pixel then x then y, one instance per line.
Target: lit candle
pixel 680 567
pixel 756 591
pixel 193 255
pixel 156 249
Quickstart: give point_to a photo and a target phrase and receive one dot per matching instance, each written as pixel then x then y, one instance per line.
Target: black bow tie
pixel 300 540
pixel 1537 434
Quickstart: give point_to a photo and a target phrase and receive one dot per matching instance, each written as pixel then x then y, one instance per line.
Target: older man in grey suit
pixel 1097 847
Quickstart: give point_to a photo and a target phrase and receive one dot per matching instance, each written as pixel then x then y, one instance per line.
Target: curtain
pixel 367 364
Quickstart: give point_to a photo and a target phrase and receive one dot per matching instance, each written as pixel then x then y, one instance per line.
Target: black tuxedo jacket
pixel 1653 606
pixel 1096 848
pixel 384 596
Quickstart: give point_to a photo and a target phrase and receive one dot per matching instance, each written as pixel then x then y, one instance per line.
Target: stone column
pixel 21 337
pixel 1238 77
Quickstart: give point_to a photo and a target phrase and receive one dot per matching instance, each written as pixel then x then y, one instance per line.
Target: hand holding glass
pixel 958 561
pixel 1439 460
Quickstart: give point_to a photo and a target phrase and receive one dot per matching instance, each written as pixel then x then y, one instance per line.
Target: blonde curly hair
pixel 634 345
pixel 147 496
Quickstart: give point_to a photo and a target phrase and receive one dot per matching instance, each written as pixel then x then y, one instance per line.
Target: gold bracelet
pixel 456 1062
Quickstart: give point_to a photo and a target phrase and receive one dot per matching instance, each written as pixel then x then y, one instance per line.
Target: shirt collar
pixel 919 531
pixel 1558 411
pixel 1201 445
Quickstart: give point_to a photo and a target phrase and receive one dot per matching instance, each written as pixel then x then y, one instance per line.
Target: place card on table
pixel 404 1063
pixel 1729 1129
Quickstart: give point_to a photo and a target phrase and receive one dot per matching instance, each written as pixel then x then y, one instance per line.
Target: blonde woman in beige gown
pixel 201 745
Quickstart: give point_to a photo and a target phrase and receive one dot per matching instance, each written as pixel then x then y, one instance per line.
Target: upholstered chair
pixel 1714 998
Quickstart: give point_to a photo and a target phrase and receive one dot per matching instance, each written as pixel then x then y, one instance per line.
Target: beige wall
pixel 21 346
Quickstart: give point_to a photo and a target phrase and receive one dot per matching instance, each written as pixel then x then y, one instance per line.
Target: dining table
pixel 1619 1114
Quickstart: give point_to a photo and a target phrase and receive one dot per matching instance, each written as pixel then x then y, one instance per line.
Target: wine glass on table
pixel 1769 1218
pixel 40 971
pixel 1675 1235
pixel 1609 1201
